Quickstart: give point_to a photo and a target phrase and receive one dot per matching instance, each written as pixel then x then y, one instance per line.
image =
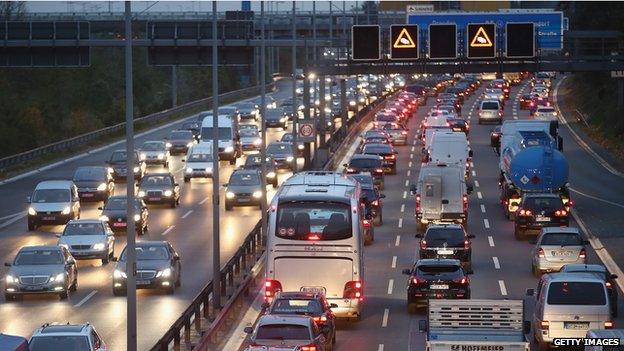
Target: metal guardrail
pixel 151 119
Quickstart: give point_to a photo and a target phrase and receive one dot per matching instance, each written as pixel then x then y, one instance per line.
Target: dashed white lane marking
pixel 204 200
pixel 405 194
pixel 515 117
pixel 400 222
pixel 503 289
pixel 397 241
pixel 471 164
pixel 390 286
pixel 394 261
pixel 406 182
pixel 414 143
pixel 482 208
pixel 413 147
pixel 486 223
pixel 384 319
pixel 409 172
pixel 474 174
pixel 411 156
pixel 496 263
pixel 168 230
pixel 479 195
pixel 476 183
pixel 491 241
pixel 187 214
pixel 409 164
pixel 402 208
pixel 380 347
pixel 86 298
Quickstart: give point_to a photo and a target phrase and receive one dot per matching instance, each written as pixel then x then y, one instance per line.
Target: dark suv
pixel 537 211
pixel 367 163
pixel 447 241
pixel 387 152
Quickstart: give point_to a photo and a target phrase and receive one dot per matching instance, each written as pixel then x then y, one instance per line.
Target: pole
pixel 263 205
pixel 344 23
pixel 306 104
pixel 216 237
pixel 131 307
pixel 174 86
pixel 355 11
pixel 314 30
pixel 295 108
pixel 345 105
pixel 322 113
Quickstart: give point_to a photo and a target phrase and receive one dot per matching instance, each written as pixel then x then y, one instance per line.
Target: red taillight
pixel 390 157
pixel 540 253
pixel 466 244
pixel 609 285
pixel 608 325
pixel 375 203
pixel 417 280
pixel 320 320
pixel 417 202
pixel 353 290
pixel 465 198
pixel 462 280
pixel 314 237
pixel 583 254
pixel 366 223
pixel 404 132
pixel 350 170
pixel 561 213
pixel 271 287
pixel 532 104
pixel 526 213
pixel 544 324
pixel 423 244
pixel 308 348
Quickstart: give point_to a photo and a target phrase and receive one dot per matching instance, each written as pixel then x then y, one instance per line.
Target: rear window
pixel 313 221
pixel 489 106
pixel 437 269
pixel 546 109
pixel 562 239
pixel 576 293
pixel 437 237
pixel 386 118
pixel 365 163
pixel 377 149
pixel 283 332
pixel 296 306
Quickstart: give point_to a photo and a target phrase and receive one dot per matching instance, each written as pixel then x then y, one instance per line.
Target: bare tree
pixel 12 10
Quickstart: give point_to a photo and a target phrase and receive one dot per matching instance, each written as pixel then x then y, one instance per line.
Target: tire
pixel 31 226
pixel 542 346
pixel 9 297
pixel 518 233
pixel 74 286
pixel 469 268
pixel 119 292
pixel 334 338
pixel 186 179
pixel 170 290
pixel 368 242
pixel 228 207
pixel 106 259
pixel 378 220
pixel 233 161
pixel 275 183
pixel 63 295
pixel 535 271
pixel 614 311
pixel 178 282
pixel 173 204
pixel 141 231
pixel 412 308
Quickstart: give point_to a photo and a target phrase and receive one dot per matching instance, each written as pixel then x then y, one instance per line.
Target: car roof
pixel 78 221
pixel 549 230
pixel 160 174
pixel 54 184
pixel 152 243
pixel 298 295
pixel 284 319
pixel 365 156
pixel 40 247
pixel 579 267
pixel 444 226
pixel 438 261
pixel 573 276
pixel 245 171
pixel 80 329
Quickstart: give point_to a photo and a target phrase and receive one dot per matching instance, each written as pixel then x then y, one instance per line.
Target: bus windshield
pixel 313 221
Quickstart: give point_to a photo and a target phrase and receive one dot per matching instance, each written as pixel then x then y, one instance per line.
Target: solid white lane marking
pixel 397 241
pixel 384 319
pixel 482 208
pixel 390 286
pixel 168 230
pixel 12 220
pixel 204 200
pixel 86 298
pixel 474 174
pixel 12 215
pixel 496 263
pixel 479 195
pixel 409 172
pixel 491 241
pixel 187 214
pixel 380 347
pixel 405 194
pixel 406 182
pixel 403 208
pixel 400 222
pixel 394 261
pixel 486 222
pixel 503 289
pixel 409 164
pixel 597 198
pixel 476 183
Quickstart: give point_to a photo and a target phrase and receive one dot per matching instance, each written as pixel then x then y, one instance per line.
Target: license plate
pixel 576 325
pixel 313 289
pixel 154 199
pixel 445 252
pixel 562 253
pixel 33 288
pixel 87 195
pixel 438 287
pixel 119 224
pixel 542 219
pixel 142 282
pixel 49 218
pixel 243 199
pixel 457 129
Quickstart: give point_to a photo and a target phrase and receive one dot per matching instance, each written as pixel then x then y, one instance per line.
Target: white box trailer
pixel 476 325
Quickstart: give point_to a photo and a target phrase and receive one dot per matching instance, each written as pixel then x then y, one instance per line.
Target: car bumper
pixel 88 254
pixel 283 164
pixel 155 161
pixel 533 226
pixel 347 308
pixel 250 147
pixel 92 195
pixel 154 283
pixel 243 201
pixel 545 266
pixel 22 289
pixel 50 219
pixel 198 174
pixel 227 156
pixel 272 124
pixel 178 149
pixel 418 296
pixel 157 199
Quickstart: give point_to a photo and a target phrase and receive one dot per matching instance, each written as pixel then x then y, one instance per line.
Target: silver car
pixel 250 139
pixel 155 152
pixel 556 247
pixel 88 239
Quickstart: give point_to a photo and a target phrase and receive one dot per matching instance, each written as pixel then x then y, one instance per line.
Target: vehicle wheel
pixel 329 346
pixel 186 179
pixel 228 207
pixel 178 282
pixel 141 231
pixel 517 233
pixel 170 290
pixel 614 312
pixel 412 308
pixel 367 241
pixel 9 297
pixel 31 226
pixel 334 338
pixel 275 184
pixel 106 259
pixel 469 268
pixel 119 292
pixel 542 346
pixel 535 271
pixel 172 204
pixel 74 286
pixel 63 295
pixel 379 220
pixel 233 161
pixel 512 216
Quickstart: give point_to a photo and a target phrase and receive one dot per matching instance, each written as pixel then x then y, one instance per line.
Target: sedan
pixel 157 267
pixel 367 163
pixel 114 214
pixel 537 211
pixel 387 153
pixel 288 331
pixel 397 132
pixel 94 183
pixel 288 137
pixel 447 241
pixel 556 247
pixel 275 118
pixel 243 189
pixel 283 153
pixel 160 188
pixel 194 127
pixel 88 239
pixel 179 141
pixel 250 139
pixel 255 162
pixel 247 110
pixel 117 165
pixel 155 152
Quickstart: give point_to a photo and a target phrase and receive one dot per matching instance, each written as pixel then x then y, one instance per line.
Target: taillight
pixel 462 280
pixel 583 254
pixel 404 132
pixel 465 198
pixel 378 170
pixel 423 244
pixel 561 213
pixel 353 290
pixel 375 203
pixel 308 348
pixel 417 280
pixel 314 237
pixel 526 213
pixel 544 324
pixel 271 287
pixel 466 244
pixel 366 223
pixel 350 170
pixel 417 202
pixel 540 253
pixel 390 157
pixel 320 320
pixel 608 325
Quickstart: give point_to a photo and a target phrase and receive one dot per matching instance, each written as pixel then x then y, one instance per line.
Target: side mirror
pixel 614 276
pixel 422 326
pixel 58 235
pixel 28 199
pixel 471 236
pixel 530 292
pixel 7 264
pixel 333 305
pixel 470 153
pixel 115 259
pixel 248 330
pixel 407 271
pixel 413 189
pixel 382 196
pixel 182 160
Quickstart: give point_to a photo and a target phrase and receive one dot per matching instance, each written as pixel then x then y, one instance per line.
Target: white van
pixel 229 140
pixel 199 162
pixel 53 202
pixel 450 148
pixel 609 334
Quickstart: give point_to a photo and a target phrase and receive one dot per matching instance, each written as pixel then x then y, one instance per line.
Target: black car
pixel 367 163
pixel 275 118
pixel 160 188
pixel 459 125
pixel 255 162
pixel 602 272
pixel 310 304
pixel 288 138
pixel 283 153
pixel 114 213
pixel 495 136
pixel 373 200
pixel 192 126
pixel 388 154
pixel 157 267
pixel 179 141
pixel 435 279
pixel 537 211
pixel 94 183
pixel 447 241
pixel 117 165
pixel 243 189
pixel 525 101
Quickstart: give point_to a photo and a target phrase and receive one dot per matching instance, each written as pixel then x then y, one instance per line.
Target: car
pixel 255 162
pixel 373 198
pixel 447 241
pixel 283 153
pixel 397 132
pixel 435 278
pixel 243 189
pixel 179 141
pixel 375 135
pixel 199 162
pixel 459 125
pixel 288 331
pixel 88 239
pixel 193 126
pixel 76 337
pixel 247 110
pixel 490 110
pixel 275 118
pixel 289 137
pixel 545 113
pixel 94 183
pixel 160 188
pixel 117 165
pixel 556 247
pixel 372 164
pixel 384 117
pixel 268 100
pixel 41 269
pixel 114 214
pixel 538 210
pixel 155 152
pixel 525 101
pixel 312 304
pixel 602 272
pixel 157 267
pixel 250 139
pixel 454 103
pixel 495 135
pixel 53 202
pixel 386 152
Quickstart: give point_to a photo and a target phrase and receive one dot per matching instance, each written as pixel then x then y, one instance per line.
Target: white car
pixel 88 239
pixel 540 91
pixel 546 113
pixel 493 94
pixel 154 152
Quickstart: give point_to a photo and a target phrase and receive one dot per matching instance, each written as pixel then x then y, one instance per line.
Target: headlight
pixel 137 217
pixel 257 141
pixel 9 279
pixel 141 193
pixel 142 156
pixel 104 218
pixel 168 145
pixel 31 211
pixel 102 187
pixel 300 146
pixel 98 247
pixel 352 103
pixel 229 149
pixel 230 195
pixel 119 274
pixel 64 245
pixel 168 193
pixel 289 159
pixel 189 170
pixel 65 210
pixel 257 194
pixel 189 144
pixel 57 278
pixel 270 175
pixel 161 156
pixel 136 169
pixel 362 100
pixel 110 170
pixel 165 273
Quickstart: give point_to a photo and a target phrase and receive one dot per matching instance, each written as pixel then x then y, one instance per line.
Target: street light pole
pixel 216 237
pixel 295 108
pixel 263 157
pixel 131 304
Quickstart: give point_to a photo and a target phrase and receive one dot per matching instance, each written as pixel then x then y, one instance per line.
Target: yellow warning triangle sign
pixel 404 41
pixel 481 39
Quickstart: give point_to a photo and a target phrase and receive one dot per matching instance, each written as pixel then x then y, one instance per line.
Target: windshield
pixel 296 306
pixel 153 146
pixel 118 156
pixel 386 118
pixel 225 133
pixel 365 163
pixel 546 109
pixel 562 239
pixel 51 195
pixel 249 133
pixel 60 342
pixel 377 149
pixel 369 194
pixel 287 137
pixel 190 125
pixel 239 178
pixel 117 203
pixel 181 135
pixel 199 157
pixel 149 253
pixel 90 174
pixel 39 257
pixel 313 221
pixel 245 106
pixel 538 204
pixel 154 180
pixel 72 229
pixel 440 237
pixel 437 269
pixel 489 106
pixel 283 332
pixel 576 293
pixel 274 114
pixel 276 149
